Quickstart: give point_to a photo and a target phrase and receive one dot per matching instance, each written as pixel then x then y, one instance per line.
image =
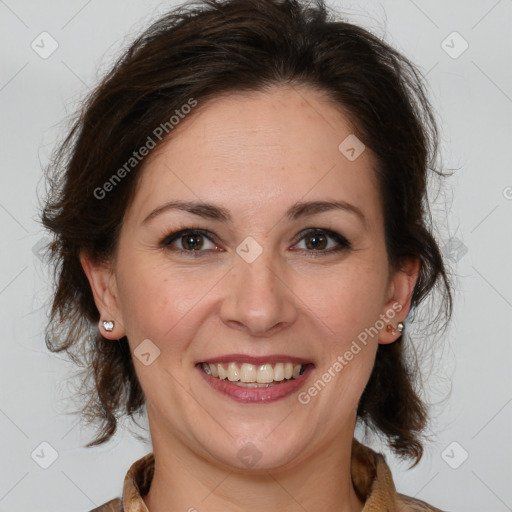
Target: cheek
pixel 347 300
pixel 160 301
pixel 347 303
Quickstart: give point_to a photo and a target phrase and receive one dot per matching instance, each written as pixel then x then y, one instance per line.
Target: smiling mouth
pixel 255 375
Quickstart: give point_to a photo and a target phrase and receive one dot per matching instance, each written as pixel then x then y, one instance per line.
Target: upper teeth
pixel 263 373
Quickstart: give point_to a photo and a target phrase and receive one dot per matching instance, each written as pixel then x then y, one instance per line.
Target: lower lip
pixel 256 395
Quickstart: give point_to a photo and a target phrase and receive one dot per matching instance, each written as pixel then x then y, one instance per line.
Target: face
pixel 268 284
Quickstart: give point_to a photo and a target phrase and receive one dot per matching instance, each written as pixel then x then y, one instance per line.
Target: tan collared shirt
pixel 370 473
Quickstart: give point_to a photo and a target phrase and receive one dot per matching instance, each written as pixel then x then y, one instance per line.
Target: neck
pixel 185 481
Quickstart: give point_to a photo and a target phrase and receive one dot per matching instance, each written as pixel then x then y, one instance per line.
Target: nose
pixel 258 298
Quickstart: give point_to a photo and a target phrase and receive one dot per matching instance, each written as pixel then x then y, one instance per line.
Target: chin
pixel 257 454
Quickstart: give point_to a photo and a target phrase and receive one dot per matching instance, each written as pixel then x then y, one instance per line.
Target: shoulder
pixel 115 505
pixel 408 504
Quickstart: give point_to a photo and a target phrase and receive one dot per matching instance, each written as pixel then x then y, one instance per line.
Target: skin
pixel 254 154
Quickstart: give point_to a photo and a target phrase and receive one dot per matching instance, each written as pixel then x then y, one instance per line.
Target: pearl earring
pixel 108 325
pixel 399 327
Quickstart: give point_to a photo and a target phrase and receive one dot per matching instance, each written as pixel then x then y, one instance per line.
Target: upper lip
pixel 244 358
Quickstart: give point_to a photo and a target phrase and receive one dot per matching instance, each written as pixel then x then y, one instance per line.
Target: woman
pixel 240 233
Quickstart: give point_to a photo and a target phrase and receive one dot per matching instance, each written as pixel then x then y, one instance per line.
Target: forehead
pixel 259 150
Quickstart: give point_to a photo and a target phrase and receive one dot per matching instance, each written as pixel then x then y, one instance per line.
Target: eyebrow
pixel 296 211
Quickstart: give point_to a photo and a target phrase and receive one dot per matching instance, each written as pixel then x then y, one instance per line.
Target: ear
pixel 397 307
pixel 104 288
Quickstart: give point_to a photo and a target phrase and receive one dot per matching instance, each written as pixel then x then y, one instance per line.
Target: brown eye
pixel 317 241
pixel 192 241
pixel 189 241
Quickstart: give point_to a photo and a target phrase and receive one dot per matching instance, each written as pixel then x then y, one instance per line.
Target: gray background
pixel 470 383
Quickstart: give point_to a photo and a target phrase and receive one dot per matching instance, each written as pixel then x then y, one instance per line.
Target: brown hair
pixel 200 51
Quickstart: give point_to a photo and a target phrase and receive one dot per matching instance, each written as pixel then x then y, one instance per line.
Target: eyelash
pixel 343 243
